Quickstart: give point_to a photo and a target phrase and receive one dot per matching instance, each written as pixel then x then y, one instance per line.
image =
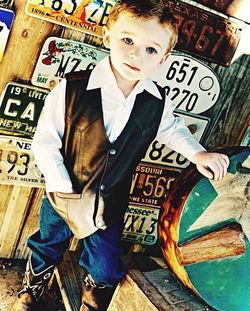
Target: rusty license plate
pixel 236 8
pixel 205 34
pixel 149 187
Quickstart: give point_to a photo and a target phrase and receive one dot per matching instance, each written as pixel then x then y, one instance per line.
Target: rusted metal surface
pixel 205 34
pixel 236 8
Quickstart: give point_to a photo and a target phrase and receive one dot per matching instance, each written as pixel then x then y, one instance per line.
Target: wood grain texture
pixel 13 220
pixel 69 277
pixel 226 242
pixel 31 223
pixel 231 112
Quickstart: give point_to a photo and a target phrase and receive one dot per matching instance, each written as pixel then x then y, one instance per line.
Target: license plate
pixel 236 8
pixel 159 154
pixel 20 109
pixel 141 224
pixel 205 34
pixel 6 3
pixel 6 20
pixel 60 56
pixel 17 164
pixel 191 85
pixel 151 184
pixel 149 187
pixel 83 15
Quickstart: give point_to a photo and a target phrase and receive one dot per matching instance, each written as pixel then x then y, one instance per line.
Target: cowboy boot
pixel 33 288
pixel 95 297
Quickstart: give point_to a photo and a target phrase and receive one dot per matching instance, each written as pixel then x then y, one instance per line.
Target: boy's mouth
pixel 132 67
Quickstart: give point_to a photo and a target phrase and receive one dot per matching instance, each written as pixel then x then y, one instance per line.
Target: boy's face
pixel 137 46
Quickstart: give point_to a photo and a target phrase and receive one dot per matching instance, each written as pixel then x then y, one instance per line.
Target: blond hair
pixel 147 9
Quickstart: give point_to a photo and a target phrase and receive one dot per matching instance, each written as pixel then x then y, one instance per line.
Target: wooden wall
pixel 19 206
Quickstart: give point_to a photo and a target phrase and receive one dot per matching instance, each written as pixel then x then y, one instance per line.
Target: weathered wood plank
pixel 229 115
pixel 30 225
pixel 4 198
pixel 13 220
pixel 69 276
pixel 222 243
pixel 131 295
pixel 146 287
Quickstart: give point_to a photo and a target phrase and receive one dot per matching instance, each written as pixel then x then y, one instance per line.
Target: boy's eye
pixel 151 50
pixel 128 41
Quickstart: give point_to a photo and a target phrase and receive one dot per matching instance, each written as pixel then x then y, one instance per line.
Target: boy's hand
pixel 212 165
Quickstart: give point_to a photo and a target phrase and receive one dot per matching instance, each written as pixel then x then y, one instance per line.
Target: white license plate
pixel 141 224
pixel 60 56
pixel 159 154
pixel 17 164
pixel 191 85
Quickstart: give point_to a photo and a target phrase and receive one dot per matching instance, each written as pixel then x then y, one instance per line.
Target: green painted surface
pixel 225 283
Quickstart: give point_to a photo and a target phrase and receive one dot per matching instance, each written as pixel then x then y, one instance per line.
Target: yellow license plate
pixel 84 15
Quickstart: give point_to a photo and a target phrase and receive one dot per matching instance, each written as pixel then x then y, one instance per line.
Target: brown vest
pixel 98 169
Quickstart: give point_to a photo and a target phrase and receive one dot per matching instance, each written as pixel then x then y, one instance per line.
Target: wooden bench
pixel 148 286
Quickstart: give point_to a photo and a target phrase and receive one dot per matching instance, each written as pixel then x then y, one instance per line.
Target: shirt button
pixel 102 187
pixel 112 151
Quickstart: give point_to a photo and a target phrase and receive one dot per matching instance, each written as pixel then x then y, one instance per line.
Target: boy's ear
pixel 106 36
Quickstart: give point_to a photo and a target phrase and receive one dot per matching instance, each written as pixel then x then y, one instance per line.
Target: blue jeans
pixel 100 256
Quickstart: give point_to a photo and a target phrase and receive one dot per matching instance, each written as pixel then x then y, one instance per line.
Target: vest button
pixel 112 151
pixel 102 187
pixel 100 223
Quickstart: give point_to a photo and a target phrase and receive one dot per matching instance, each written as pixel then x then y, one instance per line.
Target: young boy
pixel 95 129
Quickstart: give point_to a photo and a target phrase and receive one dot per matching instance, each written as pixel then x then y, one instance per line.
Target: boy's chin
pixel 130 76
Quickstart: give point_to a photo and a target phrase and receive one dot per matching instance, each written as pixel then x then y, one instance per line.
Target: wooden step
pixel 69 276
pixel 147 287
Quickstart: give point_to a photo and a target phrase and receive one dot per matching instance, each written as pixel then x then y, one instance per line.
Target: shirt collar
pixel 102 76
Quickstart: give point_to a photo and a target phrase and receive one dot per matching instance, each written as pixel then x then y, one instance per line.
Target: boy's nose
pixel 136 55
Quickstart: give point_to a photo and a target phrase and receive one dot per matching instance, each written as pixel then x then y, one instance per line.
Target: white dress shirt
pixel 47 140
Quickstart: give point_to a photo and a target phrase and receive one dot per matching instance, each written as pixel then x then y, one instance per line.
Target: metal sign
pixel 60 56
pixel 159 154
pixel 6 20
pixel 141 224
pixel 149 186
pixel 6 3
pixel 20 108
pixel 205 34
pixel 236 8
pixel 190 84
pixel 84 15
pixel 17 164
